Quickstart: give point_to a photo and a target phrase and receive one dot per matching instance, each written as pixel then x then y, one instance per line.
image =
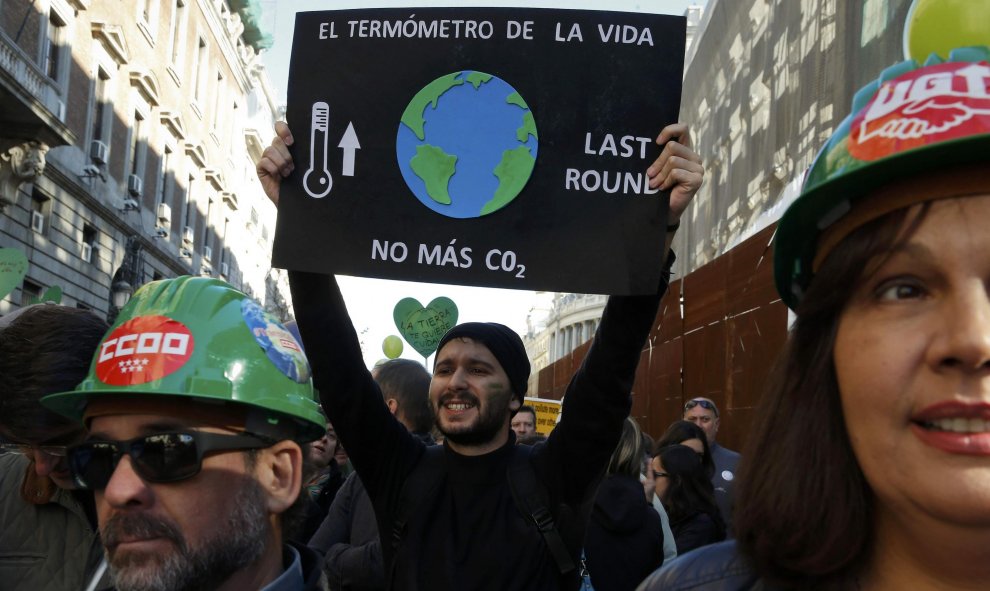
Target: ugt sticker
pixel 923 107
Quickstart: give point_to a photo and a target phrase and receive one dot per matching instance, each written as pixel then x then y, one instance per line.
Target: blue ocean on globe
pixel 478 136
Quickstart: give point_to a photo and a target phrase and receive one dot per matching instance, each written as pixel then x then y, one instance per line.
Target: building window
pixel 147 19
pixel 218 106
pixel 41 208
pixel 87 248
pixel 199 68
pixel 206 227
pixel 54 46
pixel 30 293
pixel 165 178
pixel 137 150
pixel 101 107
pixel 177 30
pixel 187 219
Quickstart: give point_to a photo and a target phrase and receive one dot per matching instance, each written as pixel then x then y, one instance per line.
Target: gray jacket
pixel 46 547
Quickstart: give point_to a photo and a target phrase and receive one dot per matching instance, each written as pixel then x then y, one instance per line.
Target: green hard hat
pixel 914 119
pixel 196 339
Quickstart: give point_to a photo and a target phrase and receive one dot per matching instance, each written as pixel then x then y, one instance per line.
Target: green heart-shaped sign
pixel 13 268
pixel 422 327
pixel 53 294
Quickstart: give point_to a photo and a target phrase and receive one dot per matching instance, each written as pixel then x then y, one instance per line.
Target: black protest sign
pixel 480 146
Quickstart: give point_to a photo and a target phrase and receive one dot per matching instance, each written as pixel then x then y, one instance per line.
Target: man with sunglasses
pixel 48 528
pixel 199 405
pixel 704 413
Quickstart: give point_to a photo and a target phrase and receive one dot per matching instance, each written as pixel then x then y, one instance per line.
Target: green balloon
pixel 13 268
pixel 422 327
pixel 392 346
pixel 939 26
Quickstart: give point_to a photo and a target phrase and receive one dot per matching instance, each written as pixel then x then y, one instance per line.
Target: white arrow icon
pixel 349 143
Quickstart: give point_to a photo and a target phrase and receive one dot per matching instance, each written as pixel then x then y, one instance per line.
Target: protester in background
pixel 868 466
pixel 348 537
pixel 691 435
pixel 704 413
pixel 524 422
pixel 48 538
pixel 323 479
pixel 686 492
pixel 624 541
pixel 195 457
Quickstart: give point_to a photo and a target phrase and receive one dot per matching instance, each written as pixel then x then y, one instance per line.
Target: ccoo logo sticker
pixel 142 350
pixel 923 107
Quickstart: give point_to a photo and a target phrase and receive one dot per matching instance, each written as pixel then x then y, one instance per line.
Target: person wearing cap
pixel 198 406
pixel 879 478
pixel 464 531
pixel 48 537
pixel 704 413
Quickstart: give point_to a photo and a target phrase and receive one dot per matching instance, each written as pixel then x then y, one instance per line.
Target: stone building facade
pixel 148 117
pixel 765 84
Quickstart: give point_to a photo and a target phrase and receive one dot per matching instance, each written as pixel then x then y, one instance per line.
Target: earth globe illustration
pixel 466 144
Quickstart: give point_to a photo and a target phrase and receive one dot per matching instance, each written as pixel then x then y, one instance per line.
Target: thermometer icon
pixel 317 181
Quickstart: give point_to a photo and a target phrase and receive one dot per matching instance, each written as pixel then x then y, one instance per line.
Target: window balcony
pixel 31 102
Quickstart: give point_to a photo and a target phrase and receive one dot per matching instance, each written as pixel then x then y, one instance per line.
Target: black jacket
pixel 466 534
pixel 348 538
pixel 696 530
pixel 624 542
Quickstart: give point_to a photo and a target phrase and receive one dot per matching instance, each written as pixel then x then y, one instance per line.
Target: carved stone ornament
pixel 20 164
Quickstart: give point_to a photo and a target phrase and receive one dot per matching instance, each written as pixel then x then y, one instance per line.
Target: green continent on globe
pixel 516 99
pixel 528 128
pixel 412 117
pixel 476 79
pixel 513 171
pixel 435 167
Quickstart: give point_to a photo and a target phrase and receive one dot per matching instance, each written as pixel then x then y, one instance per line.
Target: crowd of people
pixel 196 444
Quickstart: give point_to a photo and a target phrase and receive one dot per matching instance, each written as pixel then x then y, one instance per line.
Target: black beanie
pixel 504 344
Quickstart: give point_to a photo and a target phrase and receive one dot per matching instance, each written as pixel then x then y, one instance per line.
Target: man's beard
pixel 491 419
pixel 234 545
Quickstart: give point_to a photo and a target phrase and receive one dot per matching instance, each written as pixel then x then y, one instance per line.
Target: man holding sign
pixel 461 528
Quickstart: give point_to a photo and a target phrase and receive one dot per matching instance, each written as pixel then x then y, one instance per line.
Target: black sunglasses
pixel 161 457
pixel 703 404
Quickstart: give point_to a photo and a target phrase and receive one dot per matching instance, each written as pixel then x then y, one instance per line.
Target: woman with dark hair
pixel 624 539
pixel 691 435
pixel 48 534
pixel 869 463
pixel 688 496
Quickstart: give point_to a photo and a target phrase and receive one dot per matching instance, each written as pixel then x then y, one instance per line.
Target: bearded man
pixel 468 531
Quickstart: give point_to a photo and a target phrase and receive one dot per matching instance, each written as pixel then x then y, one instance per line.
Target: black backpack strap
pixel 533 500
pixel 418 486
